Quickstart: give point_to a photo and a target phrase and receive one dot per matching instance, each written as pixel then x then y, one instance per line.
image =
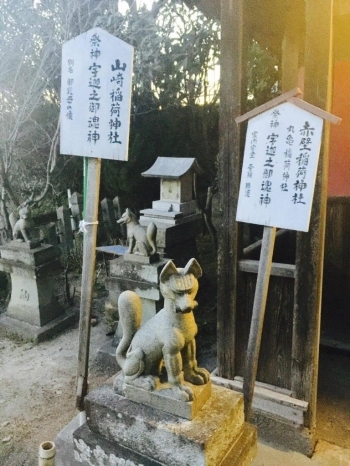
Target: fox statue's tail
pixel 130 315
pixel 151 237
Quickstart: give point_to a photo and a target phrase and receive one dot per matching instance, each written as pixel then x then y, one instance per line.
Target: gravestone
pixel 33 312
pixel 64 229
pixel 109 220
pixel 76 204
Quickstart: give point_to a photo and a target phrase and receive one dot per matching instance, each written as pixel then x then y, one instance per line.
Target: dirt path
pixel 37 392
pixel 37 389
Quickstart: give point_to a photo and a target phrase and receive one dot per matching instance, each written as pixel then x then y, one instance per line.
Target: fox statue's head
pixel 179 286
pixel 127 217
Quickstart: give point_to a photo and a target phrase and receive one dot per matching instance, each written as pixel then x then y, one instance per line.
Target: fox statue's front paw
pixel 178 392
pixel 197 376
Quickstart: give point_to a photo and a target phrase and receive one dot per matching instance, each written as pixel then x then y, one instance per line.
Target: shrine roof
pixel 172 167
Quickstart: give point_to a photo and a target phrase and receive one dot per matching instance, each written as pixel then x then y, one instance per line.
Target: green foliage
pixel 262 75
pixel 174 101
pixel 175 49
pixel 175 132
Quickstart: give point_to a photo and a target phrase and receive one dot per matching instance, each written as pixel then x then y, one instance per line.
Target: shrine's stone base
pixel 119 429
pixel 18 329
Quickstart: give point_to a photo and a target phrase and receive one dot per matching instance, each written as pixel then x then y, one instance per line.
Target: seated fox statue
pixel 141 240
pixel 22 224
pixel 167 340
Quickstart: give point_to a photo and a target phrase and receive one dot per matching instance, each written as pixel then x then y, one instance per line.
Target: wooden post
pixel 229 178
pixel 310 246
pixel 88 277
pixel 257 322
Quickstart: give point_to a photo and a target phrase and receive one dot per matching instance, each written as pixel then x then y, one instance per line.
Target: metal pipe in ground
pixel 47 453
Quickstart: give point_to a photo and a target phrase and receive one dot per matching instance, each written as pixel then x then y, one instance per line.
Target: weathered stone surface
pixel 77 204
pixel 33 300
pixel 34 277
pixel 141 278
pixel 91 449
pixel 163 221
pixel 141 259
pixel 160 400
pixel 168 235
pixel 135 271
pixel 105 357
pixel 24 331
pixel 172 440
pixel 20 252
pixel 78 446
pixel 186 208
pixel 65 229
pixel 34 274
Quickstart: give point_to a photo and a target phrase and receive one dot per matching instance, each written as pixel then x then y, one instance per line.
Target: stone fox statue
pixel 168 339
pixel 22 225
pixel 141 240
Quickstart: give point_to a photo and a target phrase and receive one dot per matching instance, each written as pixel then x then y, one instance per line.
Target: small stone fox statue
pixel 22 226
pixel 141 240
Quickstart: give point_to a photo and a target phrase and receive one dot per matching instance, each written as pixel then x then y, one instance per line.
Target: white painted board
pixel 279 168
pixel 96 96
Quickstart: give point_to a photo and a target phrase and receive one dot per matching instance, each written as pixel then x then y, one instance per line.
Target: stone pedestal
pixel 141 278
pixel 34 312
pixel 175 236
pixel 119 429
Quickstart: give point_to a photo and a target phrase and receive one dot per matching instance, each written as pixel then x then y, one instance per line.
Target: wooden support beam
pixel 229 179
pixel 310 246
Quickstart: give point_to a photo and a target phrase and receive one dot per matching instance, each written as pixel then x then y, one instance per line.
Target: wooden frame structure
pixel 300 31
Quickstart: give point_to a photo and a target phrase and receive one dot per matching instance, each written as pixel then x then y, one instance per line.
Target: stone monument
pixel 161 408
pixel 33 312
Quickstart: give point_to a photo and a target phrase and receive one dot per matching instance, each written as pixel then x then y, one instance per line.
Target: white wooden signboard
pixel 96 96
pixel 279 168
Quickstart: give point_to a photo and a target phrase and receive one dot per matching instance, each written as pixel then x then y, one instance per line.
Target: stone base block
pixel 24 331
pixel 215 435
pixel 120 431
pixel 141 259
pixel 160 398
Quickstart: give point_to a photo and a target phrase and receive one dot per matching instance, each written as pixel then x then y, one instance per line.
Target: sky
pixel 123 6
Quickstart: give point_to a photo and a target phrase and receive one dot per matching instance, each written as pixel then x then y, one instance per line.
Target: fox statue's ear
pixel 193 267
pixel 168 270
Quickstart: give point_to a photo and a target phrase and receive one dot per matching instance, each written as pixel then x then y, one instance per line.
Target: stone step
pixel 217 433
pixel 244 450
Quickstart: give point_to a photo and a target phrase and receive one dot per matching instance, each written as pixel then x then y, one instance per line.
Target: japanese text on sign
pixel 279 168
pixel 96 96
